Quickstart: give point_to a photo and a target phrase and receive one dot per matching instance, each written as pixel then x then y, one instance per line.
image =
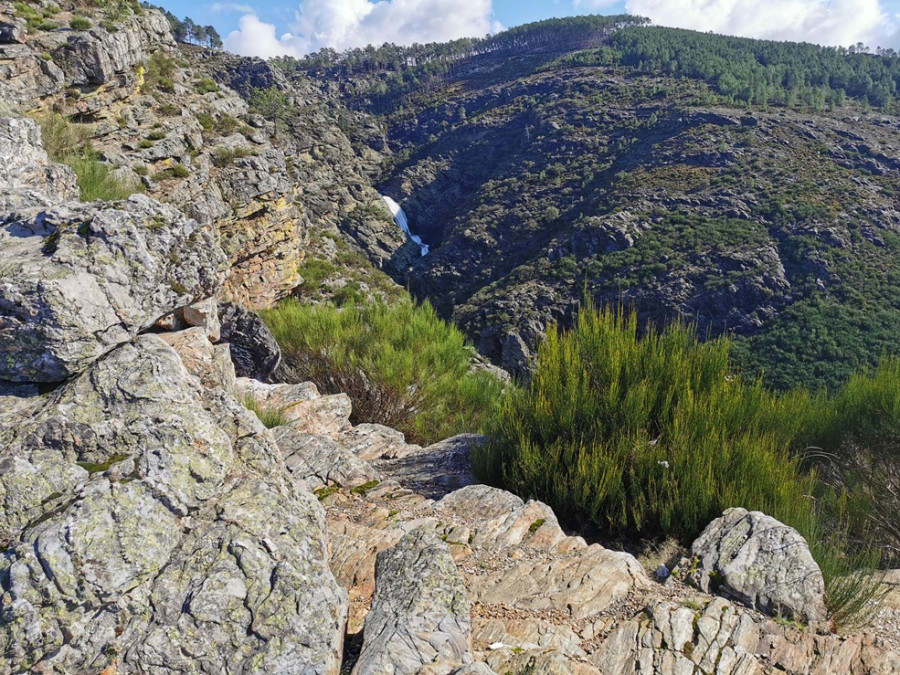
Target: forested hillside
pixel 748 186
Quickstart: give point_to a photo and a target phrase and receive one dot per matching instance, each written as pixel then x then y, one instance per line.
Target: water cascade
pixel 401 220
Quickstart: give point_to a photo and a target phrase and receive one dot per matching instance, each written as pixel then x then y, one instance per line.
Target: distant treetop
pixel 741 70
pixel 187 31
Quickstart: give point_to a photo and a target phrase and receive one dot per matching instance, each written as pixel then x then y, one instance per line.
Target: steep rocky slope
pixel 535 181
pixel 138 497
pixel 133 496
pixel 154 114
pixel 151 524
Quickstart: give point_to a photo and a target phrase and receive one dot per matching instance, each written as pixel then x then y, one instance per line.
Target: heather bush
pixel 401 365
pixel 648 435
pixel 651 434
pixel 856 447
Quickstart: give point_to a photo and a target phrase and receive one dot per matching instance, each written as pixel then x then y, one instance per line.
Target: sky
pixel 299 27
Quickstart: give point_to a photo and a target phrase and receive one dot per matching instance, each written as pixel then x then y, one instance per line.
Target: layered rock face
pixel 333 177
pixel 545 602
pixel 136 496
pixel 90 58
pixel 420 612
pixel 137 503
pixel 79 279
pixel 156 120
pixel 26 173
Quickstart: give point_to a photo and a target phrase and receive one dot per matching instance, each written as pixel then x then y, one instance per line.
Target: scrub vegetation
pixel 651 434
pixel 400 364
pixel 68 143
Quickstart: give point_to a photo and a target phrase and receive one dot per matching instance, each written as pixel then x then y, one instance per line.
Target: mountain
pixel 748 186
pixel 173 498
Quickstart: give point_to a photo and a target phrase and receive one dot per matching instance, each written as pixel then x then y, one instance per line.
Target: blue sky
pixel 301 26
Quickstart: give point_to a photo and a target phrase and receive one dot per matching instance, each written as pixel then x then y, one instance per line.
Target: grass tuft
pixel 69 144
pixel 80 23
pixel 270 417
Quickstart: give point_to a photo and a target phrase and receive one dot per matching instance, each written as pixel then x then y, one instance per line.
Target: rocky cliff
pixel 168 123
pixel 134 495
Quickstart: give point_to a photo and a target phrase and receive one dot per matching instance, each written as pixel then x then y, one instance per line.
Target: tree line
pixel 755 72
pixel 761 72
pixel 187 31
pixel 390 72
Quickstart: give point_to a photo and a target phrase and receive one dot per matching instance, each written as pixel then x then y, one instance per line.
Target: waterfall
pixel 401 220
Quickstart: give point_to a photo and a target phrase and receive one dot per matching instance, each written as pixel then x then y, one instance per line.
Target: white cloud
pixel 342 24
pixel 593 5
pixel 827 22
pixel 257 38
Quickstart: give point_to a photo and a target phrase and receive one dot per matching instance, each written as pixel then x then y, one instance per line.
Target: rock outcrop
pixel 137 503
pixel 546 602
pixel 300 405
pixel 136 497
pixel 318 461
pixel 254 351
pixel 36 68
pixel 419 621
pixel 761 562
pixel 332 175
pixel 79 279
pixel 27 176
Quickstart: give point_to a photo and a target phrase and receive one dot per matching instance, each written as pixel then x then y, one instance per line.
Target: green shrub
pixel 60 136
pixel 206 85
pixel 166 84
pixel 227 125
pixel 857 449
pixel 144 143
pixel 156 136
pixel 175 171
pixel 206 121
pixel 646 436
pixel 23 9
pixel 223 125
pixel 225 156
pixel 115 11
pixel 657 436
pixel 160 69
pixel 33 18
pixel 400 364
pixel 80 23
pixel 315 270
pixel 169 109
pixel 97 181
